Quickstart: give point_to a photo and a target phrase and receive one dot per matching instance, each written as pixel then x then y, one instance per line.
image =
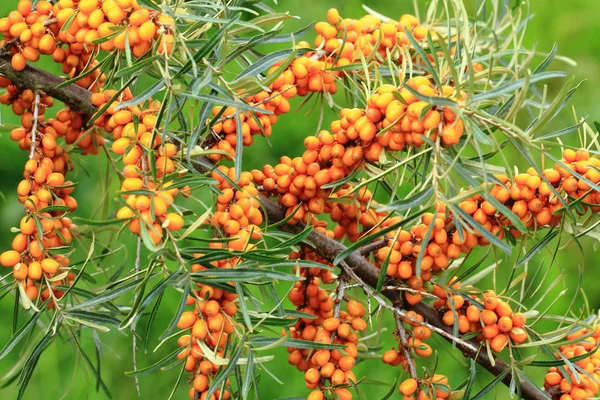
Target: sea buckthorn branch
pixel 367 276
pixel 433 321
pixel 329 249
pixel 325 35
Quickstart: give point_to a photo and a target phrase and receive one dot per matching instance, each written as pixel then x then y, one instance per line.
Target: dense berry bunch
pixel 358 137
pixel 327 371
pixel 368 37
pixel 340 43
pixel 582 383
pixel 491 316
pixel 71 30
pixel 148 165
pixel 238 213
pixel 45 229
pixel 209 323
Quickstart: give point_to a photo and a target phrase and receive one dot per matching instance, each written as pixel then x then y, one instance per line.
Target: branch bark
pixel 36 79
pixel 80 99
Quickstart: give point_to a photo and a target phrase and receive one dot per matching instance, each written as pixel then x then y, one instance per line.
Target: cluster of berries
pixel 341 42
pixel 327 371
pixel 491 316
pixel 583 383
pixel 352 39
pixel 148 191
pixel 71 30
pixel 415 342
pixel 46 196
pixel 211 322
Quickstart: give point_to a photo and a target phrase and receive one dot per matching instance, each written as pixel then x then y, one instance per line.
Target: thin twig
pixel 34 128
pixel 410 362
pixel 138 254
pixel 339 298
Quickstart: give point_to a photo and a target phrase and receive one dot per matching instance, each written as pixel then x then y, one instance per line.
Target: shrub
pixel 393 209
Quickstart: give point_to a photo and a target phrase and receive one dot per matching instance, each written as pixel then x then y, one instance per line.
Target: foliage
pixel 387 208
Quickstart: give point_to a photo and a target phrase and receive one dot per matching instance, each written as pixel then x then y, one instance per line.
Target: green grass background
pixel 61 372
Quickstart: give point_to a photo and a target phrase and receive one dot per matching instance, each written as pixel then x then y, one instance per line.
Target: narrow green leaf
pixel 418 199
pixel 488 388
pixel 538 246
pixel 515 85
pixel 156 366
pixel 142 97
pixel 22 332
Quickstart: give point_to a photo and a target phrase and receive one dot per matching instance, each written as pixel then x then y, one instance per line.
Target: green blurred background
pixel 61 372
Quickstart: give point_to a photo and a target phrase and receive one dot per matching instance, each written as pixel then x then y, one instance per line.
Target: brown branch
pixel 38 80
pixel 354 263
pixel 371 247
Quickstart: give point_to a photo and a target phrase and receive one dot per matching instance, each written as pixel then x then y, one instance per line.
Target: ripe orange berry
pixel 312 376
pixel 186 320
pixel 35 271
pixel 519 320
pixel 175 221
pixel 200 383
pixel 331 324
pixel 408 387
pixel 18 62
pixel 355 308
pixel 315 395
pixel 20 271
pixel 55 179
pixel 50 266
pixel 147 31
pixel 27 225
pixel 505 324
pixel 498 343
pixel 390 356
pixel 489 317
pixel 473 313
pixel 9 258
pixel 553 378
pixel 346 363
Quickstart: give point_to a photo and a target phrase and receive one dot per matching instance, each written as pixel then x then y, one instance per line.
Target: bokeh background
pixel 61 373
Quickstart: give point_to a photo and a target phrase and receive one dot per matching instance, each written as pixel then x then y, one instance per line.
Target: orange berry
pixel 9 258
pixel 312 376
pixel 408 387
pixel 200 383
pixel 186 320
pixel 553 378
pixel 505 324
pixel 355 308
pixel 20 271
pixel 489 317
pixel 50 266
pixel 346 363
pixel 18 62
pixel 518 320
pixel 147 31
pixel 175 221
pixel 315 395
pixel 499 342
